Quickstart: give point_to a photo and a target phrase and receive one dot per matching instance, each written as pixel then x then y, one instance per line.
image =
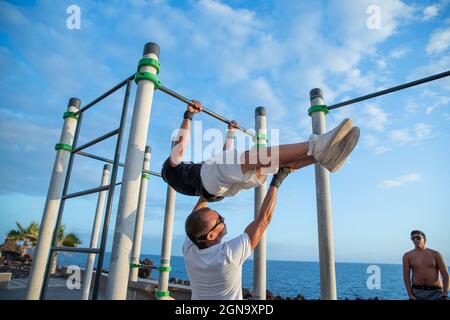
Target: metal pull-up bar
pixel 205 110
pixel 390 90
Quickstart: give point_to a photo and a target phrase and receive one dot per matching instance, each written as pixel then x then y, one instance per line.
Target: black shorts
pixel 185 178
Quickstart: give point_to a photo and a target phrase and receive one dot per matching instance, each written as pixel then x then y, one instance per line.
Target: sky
pixel 234 56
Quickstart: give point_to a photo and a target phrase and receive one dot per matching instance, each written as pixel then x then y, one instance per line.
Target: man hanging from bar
pixel 228 172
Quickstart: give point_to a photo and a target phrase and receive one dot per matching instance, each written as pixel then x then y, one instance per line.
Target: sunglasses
pixel 416 237
pixel 219 221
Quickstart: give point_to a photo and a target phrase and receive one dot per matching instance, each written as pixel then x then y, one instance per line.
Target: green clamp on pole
pixel 63 146
pixel 145 175
pixel 69 114
pixel 162 293
pixel 164 269
pixel 149 62
pixel 133 266
pixel 148 76
pixel 319 107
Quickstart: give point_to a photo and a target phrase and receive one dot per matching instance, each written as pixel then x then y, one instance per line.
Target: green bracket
pixel 319 107
pixel 69 114
pixel 63 146
pixel 148 76
pixel 162 293
pixel 164 269
pixel 145 175
pixel 149 62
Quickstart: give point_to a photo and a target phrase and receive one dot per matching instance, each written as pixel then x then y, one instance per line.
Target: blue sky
pixel 234 56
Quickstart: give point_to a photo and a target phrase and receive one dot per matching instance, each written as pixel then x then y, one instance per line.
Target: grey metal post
pixel 166 249
pixel 117 283
pixel 324 214
pixel 136 251
pixel 259 255
pixel 52 202
pixel 95 233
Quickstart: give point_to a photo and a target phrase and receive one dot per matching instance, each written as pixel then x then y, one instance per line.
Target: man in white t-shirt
pixel 215 267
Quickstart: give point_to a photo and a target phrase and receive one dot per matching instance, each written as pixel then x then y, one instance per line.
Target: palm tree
pixel 31 234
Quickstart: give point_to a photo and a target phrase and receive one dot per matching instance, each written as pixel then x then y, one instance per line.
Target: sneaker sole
pixel 330 154
pixel 346 146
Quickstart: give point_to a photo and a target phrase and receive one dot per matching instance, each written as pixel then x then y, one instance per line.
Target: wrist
pixel 231 134
pixel 188 115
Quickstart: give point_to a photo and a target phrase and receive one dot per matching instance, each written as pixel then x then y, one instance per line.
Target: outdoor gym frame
pixel 125 253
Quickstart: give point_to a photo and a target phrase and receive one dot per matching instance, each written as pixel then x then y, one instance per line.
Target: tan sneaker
pixel 345 147
pixel 328 148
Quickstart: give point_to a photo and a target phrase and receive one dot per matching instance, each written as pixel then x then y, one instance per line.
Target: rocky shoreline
pixel 22 269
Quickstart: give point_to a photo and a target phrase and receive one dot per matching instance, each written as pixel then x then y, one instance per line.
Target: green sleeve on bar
pixel 319 107
pixel 164 269
pixel 149 62
pixel 63 146
pixel 69 114
pixel 162 293
pixel 148 76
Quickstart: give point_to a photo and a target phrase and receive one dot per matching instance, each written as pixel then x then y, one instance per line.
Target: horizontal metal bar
pixel 93 156
pixel 97 140
pixel 85 192
pixel 390 90
pixel 75 249
pixel 106 94
pixel 205 110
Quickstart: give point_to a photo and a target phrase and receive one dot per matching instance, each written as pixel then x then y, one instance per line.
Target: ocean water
pixel 290 278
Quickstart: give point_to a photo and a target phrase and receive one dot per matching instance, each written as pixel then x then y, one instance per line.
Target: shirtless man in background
pixel 425 265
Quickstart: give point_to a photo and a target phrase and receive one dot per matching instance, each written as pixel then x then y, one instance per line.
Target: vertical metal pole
pixel 95 233
pixel 324 214
pixel 117 283
pixel 259 255
pixel 136 251
pixel 109 202
pixel 52 203
pixel 166 249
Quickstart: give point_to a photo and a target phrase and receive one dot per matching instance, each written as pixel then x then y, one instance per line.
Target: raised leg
pixel 278 156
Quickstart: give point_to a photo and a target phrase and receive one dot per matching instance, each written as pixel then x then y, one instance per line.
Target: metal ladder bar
pixel 60 211
pixel 109 203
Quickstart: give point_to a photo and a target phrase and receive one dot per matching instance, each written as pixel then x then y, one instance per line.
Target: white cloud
pixel 401 136
pixel 399 52
pixel 421 131
pixel 430 12
pixel 439 41
pixel 400 181
pixel 379 150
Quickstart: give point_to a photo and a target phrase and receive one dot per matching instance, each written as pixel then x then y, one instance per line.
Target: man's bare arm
pixel 229 139
pixel 183 136
pixel 444 272
pixel 257 227
pixel 407 276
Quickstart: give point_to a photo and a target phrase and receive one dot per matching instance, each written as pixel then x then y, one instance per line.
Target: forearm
pixel 229 140
pixel 407 281
pixel 181 141
pixel 445 282
pixel 268 206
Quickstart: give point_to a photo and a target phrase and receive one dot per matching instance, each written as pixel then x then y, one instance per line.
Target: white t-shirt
pixel 222 175
pixel 215 273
